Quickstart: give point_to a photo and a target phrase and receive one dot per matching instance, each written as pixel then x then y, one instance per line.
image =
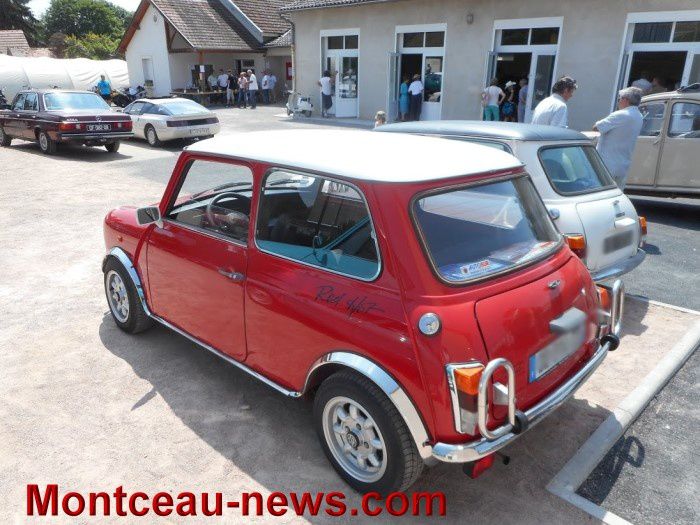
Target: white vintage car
pixel 600 221
pixel 161 120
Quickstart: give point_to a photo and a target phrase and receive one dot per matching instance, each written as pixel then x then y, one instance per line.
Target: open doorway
pixel 512 67
pixel 411 65
pixel 667 66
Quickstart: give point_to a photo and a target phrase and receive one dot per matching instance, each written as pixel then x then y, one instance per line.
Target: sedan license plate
pixel 556 352
pixel 199 131
pixel 98 127
pixel 618 241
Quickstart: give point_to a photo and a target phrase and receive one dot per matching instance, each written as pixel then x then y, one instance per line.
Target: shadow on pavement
pixel 635 312
pixel 670 212
pixel 71 152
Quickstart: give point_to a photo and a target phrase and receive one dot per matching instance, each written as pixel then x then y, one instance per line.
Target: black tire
pixel 136 319
pixel 5 140
pixel 113 147
pixel 152 139
pixel 403 463
pixel 307 113
pixel 47 144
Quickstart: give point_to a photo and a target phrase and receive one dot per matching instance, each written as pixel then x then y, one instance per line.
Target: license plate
pixel 618 241
pixel 199 131
pixel 98 127
pixel 556 352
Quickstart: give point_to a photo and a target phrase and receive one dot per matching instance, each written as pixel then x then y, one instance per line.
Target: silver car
pixel 161 120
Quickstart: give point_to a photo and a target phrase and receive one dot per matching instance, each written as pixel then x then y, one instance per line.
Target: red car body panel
pixel 286 315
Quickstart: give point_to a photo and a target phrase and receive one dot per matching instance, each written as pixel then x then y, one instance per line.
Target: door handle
pixel 234 276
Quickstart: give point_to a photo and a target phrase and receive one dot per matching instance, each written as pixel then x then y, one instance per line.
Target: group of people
pixel 650 84
pixel 242 90
pixel 508 105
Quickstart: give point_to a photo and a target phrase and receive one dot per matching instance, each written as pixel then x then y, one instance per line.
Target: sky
pixel 39 6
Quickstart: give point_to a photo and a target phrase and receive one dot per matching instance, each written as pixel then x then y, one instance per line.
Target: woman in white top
pixel 326 85
pixel 491 98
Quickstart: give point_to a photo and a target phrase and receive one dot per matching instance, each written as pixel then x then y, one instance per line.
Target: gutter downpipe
pixel 293 49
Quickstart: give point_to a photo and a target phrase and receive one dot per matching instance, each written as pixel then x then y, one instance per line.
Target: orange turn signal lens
pixel 643 225
pixel 604 297
pixel 577 243
pixel 467 379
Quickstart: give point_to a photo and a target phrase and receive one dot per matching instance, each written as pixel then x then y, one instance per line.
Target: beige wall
pixel 589 48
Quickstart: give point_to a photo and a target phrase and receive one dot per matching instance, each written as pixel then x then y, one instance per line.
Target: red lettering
pixel 34 497
pixel 157 504
pixel 306 501
pixel 419 496
pixel 259 503
pixel 190 502
pixel 65 504
pixel 132 504
pixel 119 495
pixel 218 509
pixel 277 499
pixel 93 503
pixel 336 500
pixel 390 500
pixel 365 504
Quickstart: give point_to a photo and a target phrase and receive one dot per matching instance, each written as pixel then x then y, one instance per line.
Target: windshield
pixel 55 101
pixel 183 107
pixel 471 233
pixel 575 169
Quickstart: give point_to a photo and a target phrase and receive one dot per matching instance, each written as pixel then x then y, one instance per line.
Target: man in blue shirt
pixel 104 88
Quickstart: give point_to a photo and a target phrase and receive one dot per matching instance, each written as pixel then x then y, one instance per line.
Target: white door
pixel 432 85
pixel 392 99
pixel 346 85
pixel 541 80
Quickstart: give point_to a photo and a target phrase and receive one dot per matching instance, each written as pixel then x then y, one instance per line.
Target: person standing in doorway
pixel 404 99
pixel 326 85
pixel 491 98
pixel 618 134
pixel 509 108
pixel 231 84
pixel 553 111
pixel 415 91
pixel 266 87
pixel 657 86
pixel 213 81
pixel 242 91
pixel 643 83
pixel 522 99
pixel 252 89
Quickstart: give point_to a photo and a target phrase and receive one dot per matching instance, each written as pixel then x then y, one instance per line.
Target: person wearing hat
pixel 415 91
pixel 509 107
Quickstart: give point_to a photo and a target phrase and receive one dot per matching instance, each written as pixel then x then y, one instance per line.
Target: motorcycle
pixel 298 104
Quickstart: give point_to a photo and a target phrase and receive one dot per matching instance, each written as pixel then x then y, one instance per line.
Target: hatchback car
pixel 598 219
pixel 161 120
pixel 432 310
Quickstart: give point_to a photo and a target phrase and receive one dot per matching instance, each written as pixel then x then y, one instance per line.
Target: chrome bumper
pixel 620 268
pixel 474 450
pixel 95 137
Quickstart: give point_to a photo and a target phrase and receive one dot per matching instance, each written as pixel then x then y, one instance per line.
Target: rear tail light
pixel 124 126
pixel 464 389
pixel 577 243
pixel 642 231
pixel 69 126
pixel 604 298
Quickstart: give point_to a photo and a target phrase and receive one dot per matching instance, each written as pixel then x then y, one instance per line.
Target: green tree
pixel 97 47
pixel 16 14
pixel 82 17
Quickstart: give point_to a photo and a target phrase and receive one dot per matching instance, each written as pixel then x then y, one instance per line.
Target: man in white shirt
pixel 491 98
pixel 213 81
pixel 266 87
pixel 552 111
pixel 415 91
pixel 522 99
pixel 618 134
pixel 326 93
pixel 252 89
pixel 273 83
pixel 643 83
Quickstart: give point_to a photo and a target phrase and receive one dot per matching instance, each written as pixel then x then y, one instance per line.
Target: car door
pixel 680 157
pixel 645 159
pixel 12 124
pixel 134 111
pixel 28 116
pixel 197 260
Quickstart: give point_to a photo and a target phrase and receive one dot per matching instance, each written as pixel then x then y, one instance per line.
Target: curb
pixel 577 469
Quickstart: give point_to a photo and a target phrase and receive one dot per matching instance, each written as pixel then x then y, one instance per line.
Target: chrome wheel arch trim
pixel 387 384
pixel 121 256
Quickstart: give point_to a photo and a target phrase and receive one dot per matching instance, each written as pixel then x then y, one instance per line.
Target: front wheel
pixel 47 144
pixel 5 139
pixel 123 299
pixel 364 436
pixel 113 147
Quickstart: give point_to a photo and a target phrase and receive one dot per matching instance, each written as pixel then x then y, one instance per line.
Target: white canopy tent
pixel 17 73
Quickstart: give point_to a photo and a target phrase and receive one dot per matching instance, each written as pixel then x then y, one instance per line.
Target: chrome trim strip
pixel 389 386
pixel 99 136
pixel 616 270
pixel 466 452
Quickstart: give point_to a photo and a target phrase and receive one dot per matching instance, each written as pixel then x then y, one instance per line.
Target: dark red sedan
pixel 51 117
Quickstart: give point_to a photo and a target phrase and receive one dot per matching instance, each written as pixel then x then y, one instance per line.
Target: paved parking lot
pixel 91 408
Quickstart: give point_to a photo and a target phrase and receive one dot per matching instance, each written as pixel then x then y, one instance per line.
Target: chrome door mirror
pixel 149 215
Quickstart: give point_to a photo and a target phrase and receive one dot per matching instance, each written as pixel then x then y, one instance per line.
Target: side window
pixel 136 108
pixel 318 222
pixel 151 109
pixel 31 102
pixel 215 196
pixel 19 102
pixel 685 121
pixel 653 119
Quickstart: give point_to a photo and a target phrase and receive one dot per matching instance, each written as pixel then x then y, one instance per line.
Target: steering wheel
pixel 232 219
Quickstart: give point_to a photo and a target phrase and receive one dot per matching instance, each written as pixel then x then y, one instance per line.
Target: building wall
pixel 149 42
pixel 589 47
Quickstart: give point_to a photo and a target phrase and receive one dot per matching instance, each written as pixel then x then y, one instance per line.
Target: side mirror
pixel 149 215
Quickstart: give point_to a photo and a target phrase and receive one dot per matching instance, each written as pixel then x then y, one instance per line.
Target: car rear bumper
pixel 619 268
pixel 188 132
pixel 474 450
pixel 93 137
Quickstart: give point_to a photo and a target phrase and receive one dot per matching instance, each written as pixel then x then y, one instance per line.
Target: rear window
pixel 575 169
pixel 184 107
pixel 475 232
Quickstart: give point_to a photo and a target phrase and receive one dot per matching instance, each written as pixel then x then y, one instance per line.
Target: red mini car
pixel 415 287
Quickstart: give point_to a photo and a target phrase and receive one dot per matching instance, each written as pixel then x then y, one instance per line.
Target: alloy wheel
pixel 117 296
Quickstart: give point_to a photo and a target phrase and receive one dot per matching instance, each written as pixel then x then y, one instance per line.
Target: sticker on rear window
pixel 471 270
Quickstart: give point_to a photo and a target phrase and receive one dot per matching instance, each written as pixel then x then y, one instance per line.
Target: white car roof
pixel 361 155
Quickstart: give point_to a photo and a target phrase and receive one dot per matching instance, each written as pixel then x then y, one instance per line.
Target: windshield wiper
pixel 222 187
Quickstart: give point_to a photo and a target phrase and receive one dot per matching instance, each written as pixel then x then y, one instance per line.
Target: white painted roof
pixel 361 155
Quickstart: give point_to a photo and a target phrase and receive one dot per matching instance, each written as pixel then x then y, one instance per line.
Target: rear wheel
pixel 152 136
pixel 123 299
pixel 364 436
pixel 5 140
pixel 47 144
pixel 113 147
